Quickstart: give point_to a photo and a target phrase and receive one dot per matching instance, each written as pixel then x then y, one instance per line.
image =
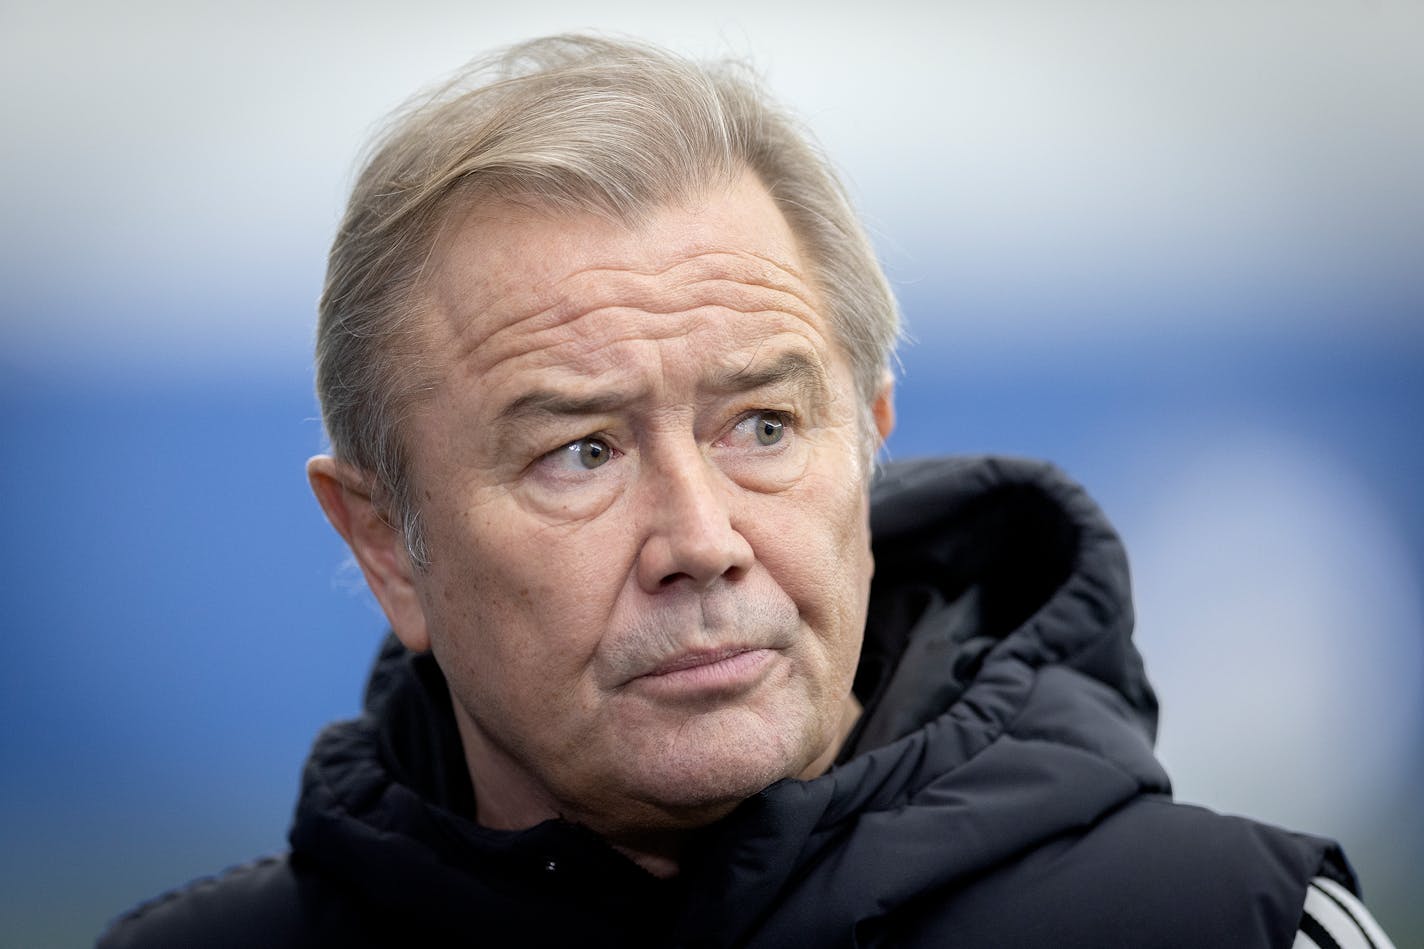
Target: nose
pixel 689 538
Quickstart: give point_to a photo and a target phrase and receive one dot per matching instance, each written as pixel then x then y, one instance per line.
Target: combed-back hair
pixel 579 123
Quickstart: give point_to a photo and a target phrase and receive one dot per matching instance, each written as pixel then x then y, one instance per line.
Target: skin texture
pixel 643 480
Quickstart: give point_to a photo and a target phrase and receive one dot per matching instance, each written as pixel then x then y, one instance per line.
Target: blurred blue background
pixel 1180 251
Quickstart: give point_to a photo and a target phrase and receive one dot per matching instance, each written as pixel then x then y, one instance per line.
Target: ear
pixel 883 408
pixel 344 493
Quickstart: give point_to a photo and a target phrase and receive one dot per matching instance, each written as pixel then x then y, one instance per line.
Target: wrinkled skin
pixel 642 477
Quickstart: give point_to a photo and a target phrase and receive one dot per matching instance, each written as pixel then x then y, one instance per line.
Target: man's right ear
pixel 345 494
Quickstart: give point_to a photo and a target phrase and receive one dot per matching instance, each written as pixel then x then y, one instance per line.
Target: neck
pixel 659 854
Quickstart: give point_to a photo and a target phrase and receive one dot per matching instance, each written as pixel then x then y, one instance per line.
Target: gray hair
pixel 584 124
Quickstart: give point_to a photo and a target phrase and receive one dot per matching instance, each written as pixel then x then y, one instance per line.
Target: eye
pixel 588 453
pixel 769 427
pixel 765 426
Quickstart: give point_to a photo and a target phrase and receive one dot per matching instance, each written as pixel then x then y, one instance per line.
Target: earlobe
pixel 345 495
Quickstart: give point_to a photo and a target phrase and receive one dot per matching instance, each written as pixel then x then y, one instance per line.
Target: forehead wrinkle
pixel 585 391
pixel 746 272
pixel 589 350
pixel 770 287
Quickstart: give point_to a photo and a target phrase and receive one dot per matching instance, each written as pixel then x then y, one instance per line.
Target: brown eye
pixel 769 428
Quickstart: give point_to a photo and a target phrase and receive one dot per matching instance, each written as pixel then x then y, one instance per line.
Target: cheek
pixel 815 543
pixel 518 605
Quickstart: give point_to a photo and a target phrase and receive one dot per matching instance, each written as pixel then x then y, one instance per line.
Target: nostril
pixel 733 572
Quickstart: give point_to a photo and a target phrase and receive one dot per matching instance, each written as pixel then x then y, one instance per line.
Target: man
pixel 602 356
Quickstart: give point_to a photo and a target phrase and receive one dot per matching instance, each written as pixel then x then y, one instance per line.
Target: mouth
pixel 708 673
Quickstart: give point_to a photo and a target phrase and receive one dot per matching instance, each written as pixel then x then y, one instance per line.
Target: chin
pixel 684 771
pixel 700 787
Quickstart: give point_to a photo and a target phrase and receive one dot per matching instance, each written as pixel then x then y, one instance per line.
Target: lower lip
pixel 735 673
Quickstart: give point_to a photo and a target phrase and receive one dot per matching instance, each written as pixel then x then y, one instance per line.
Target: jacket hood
pixel 981 557
pixel 1004 705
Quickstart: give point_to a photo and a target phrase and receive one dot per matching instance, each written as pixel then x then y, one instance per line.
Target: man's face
pixel 642 479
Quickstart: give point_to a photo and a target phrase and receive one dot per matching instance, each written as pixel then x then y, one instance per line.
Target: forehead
pixel 507 280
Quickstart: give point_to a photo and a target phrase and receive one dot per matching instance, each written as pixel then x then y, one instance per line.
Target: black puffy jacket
pixel 1000 789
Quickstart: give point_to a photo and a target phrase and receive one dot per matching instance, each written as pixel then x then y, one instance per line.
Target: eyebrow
pixel 794 369
pixel 544 402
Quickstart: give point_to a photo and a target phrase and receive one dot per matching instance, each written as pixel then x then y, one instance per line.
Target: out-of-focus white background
pixel 1178 248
